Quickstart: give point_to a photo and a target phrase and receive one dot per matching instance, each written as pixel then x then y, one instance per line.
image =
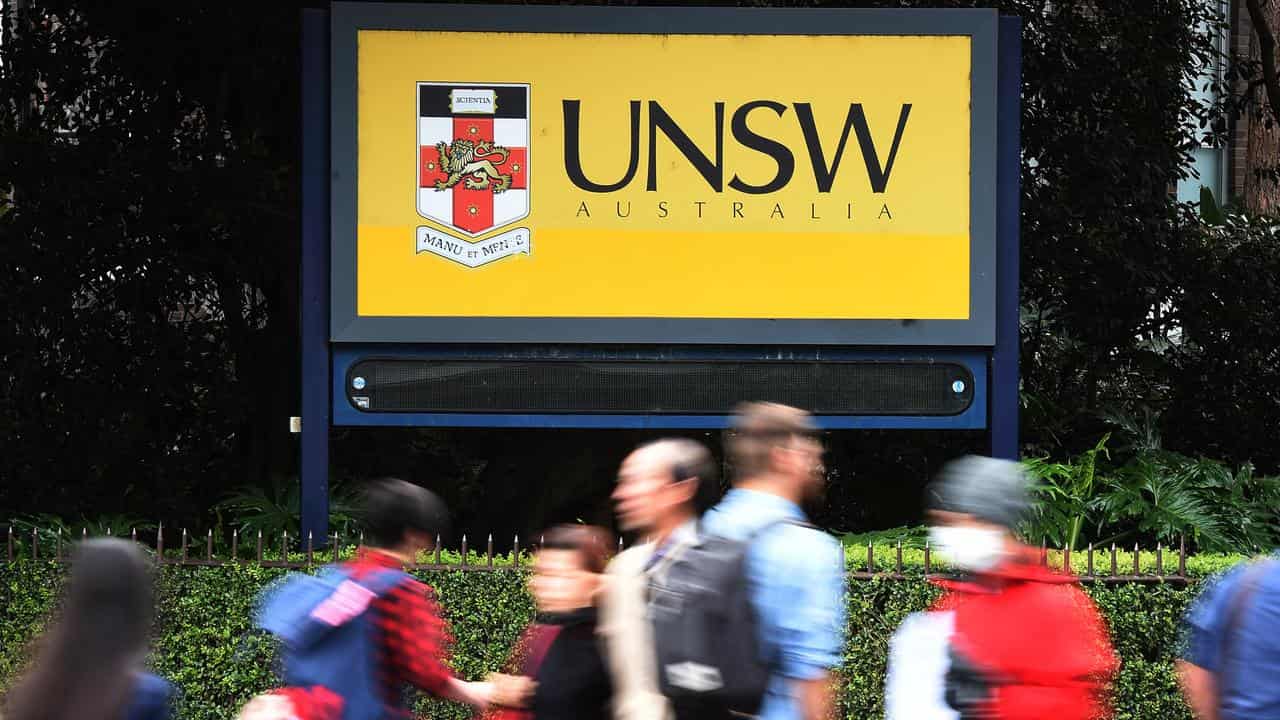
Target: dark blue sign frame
pixel 995 366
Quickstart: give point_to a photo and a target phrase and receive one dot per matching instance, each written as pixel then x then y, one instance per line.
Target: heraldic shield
pixel 473 155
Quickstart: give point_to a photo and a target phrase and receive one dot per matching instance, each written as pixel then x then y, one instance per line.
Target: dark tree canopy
pixel 149 290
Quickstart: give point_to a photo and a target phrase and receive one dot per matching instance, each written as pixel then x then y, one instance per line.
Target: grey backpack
pixel 705 627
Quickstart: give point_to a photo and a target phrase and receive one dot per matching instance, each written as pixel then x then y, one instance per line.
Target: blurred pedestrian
pixel 357 634
pixel 662 488
pixel 557 671
pixel 1011 639
pixel 89 666
pixel 795 572
pixel 1231 658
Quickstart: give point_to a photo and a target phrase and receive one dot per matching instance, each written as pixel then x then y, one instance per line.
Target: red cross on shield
pixel 481 182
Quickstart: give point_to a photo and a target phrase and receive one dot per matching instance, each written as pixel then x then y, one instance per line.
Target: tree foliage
pixel 149 178
pixel 149 276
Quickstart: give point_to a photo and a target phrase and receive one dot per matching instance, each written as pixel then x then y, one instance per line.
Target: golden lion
pixel 472 160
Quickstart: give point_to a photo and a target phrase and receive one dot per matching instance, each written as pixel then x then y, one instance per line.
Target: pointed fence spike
pixel 515 551
pixel 927 565
pixel 437 560
pixel 1089 565
pixel 464 549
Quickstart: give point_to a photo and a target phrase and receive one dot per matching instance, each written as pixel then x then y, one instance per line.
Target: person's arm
pixel 417 641
pixel 802 605
pixel 475 694
pixel 1201 655
pixel 816 698
pixel 1200 687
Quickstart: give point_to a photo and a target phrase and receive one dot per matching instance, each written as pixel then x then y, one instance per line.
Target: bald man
pixel 662 488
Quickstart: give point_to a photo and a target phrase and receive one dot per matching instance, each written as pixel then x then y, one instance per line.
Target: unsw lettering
pixel 712 169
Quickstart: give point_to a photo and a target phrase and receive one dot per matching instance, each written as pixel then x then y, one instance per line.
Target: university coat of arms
pixel 473 170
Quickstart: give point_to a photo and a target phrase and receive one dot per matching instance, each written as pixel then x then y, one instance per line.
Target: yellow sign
pixel 663 176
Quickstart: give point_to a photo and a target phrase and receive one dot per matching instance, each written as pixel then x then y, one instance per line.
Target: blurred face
pixel 647 491
pixel 560 583
pixel 800 460
pixel 968 542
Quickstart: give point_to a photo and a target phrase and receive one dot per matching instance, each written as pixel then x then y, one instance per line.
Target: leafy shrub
pixel 277 508
pixel 204 644
pixel 914 536
pixel 1140 491
pixel 52 529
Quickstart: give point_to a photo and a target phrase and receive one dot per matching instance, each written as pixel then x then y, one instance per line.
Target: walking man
pixel 794 570
pixel 359 633
pixel 662 487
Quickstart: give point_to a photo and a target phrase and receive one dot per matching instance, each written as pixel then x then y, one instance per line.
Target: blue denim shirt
pixel 1246 680
pixel 798 578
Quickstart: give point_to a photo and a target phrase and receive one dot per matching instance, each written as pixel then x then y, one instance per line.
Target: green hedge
pixel 203 644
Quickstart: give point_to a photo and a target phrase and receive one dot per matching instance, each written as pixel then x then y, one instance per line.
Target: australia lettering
pixel 732 210
pixel 824 159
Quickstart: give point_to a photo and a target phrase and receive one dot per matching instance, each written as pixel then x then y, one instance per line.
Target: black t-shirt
pixel 573 682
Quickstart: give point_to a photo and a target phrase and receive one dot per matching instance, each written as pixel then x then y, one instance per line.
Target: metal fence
pixel 1101 565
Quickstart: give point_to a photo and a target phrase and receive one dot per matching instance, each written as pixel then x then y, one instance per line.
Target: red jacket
pixel 1037 637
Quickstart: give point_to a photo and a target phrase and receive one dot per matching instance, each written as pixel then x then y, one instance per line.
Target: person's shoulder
pixel 630 561
pixel 1219 589
pixel 800 533
pixel 409 589
pixel 1061 599
pixel 797 547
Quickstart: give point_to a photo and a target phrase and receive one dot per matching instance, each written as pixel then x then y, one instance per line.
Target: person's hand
pixel 512 690
pixel 268 707
pixel 476 694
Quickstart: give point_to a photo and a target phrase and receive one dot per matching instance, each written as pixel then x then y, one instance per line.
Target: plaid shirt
pixel 306 703
pixel 413 637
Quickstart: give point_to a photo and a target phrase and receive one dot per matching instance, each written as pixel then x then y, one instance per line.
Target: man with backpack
pixel 662 487
pixel 356 634
pixel 1231 657
pixel 794 572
